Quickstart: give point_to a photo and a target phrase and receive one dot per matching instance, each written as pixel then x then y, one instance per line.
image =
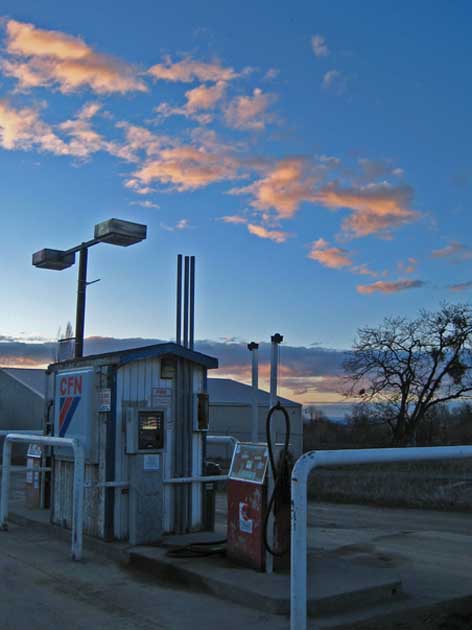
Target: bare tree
pixel 65 344
pixel 314 414
pixel 408 367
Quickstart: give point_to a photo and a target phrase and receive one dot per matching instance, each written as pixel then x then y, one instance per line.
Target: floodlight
pixel 118 232
pixel 55 259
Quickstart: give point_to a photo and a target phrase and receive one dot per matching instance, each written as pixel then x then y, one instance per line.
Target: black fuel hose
pixel 202 549
pixel 281 473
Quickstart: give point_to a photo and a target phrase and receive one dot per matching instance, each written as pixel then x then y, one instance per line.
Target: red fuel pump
pixel 249 506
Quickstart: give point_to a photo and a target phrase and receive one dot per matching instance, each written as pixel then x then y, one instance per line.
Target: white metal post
pixel 301 471
pixel 78 501
pixel 253 348
pixel 78 489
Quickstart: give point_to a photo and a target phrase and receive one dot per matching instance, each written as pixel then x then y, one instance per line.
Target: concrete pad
pixel 334 584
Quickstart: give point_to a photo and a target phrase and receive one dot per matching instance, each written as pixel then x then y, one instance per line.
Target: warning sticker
pixel 246 524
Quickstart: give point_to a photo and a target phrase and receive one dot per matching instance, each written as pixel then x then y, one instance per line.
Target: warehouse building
pixel 22 407
pixel 231 414
pixel 21 398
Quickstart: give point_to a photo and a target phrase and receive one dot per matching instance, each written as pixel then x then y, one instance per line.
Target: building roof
pixel 33 379
pixel 121 357
pixel 226 391
pixel 222 391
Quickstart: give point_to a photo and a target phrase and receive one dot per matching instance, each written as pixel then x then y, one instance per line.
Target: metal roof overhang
pixel 122 357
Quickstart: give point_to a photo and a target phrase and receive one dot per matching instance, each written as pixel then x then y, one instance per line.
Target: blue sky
pixel 314 157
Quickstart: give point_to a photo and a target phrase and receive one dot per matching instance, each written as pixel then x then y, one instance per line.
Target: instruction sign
pixel 249 463
pixel 161 396
pixel 104 400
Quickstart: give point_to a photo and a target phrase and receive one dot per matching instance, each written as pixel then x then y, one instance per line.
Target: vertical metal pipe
pixel 80 311
pixel 78 500
pixel 186 287
pixel 6 463
pixel 178 315
pixel 192 302
pixel 253 348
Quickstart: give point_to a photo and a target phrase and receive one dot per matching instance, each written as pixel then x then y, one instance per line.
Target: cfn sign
pixel 71 386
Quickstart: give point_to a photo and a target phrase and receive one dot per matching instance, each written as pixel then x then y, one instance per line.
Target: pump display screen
pixel 249 463
pixel 150 430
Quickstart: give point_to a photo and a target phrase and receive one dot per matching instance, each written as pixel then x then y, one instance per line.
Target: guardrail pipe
pixel 301 471
pixel 78 489
pixel 223 439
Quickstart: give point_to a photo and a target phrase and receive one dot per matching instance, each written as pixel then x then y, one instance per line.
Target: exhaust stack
pixel 185 320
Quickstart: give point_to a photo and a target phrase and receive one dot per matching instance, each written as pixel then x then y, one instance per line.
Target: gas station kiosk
pixel 142 417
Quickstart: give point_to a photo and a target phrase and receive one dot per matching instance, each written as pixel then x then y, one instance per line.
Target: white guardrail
pixel 78 488
pixel 299 513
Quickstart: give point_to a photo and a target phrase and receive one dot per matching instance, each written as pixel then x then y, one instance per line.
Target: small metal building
pixel 137 413
pixel 231 414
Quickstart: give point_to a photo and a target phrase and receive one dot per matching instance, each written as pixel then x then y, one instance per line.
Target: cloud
pixel 278 236
pixel 304 371
pixel 140 141
pixel 83 139
pixel 182 224
pixel 461 286
pixel 285 186
pixel 250 112
pixel 332 257
pixel 455 251
pixel 189 70
pixel 319 46
pixel 43 58
pixel 287 183
pixel 383 286
pixel 334 80
pixel 23 129
pixel 377 208
pixel 189 166
pixel 233 218
pixel 145 204
pixel 202 97
pixel 363 270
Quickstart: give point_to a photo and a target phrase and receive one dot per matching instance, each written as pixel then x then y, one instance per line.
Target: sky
pixel 313 156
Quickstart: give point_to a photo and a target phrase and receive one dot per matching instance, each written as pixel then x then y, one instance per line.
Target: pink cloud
pixel 250 112
pixel 376 208
pixel 233 218
pixel 41 58
pixel 461 286
pixel 189 70
pixel 283 188
pixel 202 97
pixel 383 286
pixel 455 250
pixel 332 257
pixel 187 168
pixel 278 236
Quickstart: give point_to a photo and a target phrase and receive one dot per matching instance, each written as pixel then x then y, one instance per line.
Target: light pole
pixel 114 232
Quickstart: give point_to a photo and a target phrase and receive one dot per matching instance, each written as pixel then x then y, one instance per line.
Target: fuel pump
pixel 250 507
